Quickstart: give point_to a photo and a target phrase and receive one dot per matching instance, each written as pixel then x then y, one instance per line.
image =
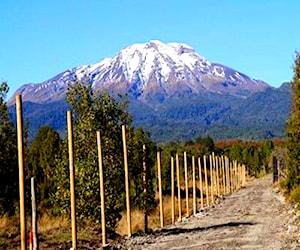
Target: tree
pixel 236 153
pixel 266 152
pixel 41 161
pixel 92 112
pixel 135 156
pixel 293 132
pixel 8 157
pixel 207 144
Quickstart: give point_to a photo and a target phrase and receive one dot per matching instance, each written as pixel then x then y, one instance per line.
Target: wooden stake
pixel 206 181
pixel 244 175
pixel 145 190
pixel 223 174
pixel 214 173
pixel 235 176
pixel 34 216
pixel 102 198
pixel 186 185
pixel 21 170
pixel 126 181
pixel 218 178
pixel 72 179
pixel 178 186
pixel 211 179
pixel 227 174
pixel 172 191
pixel 200 182
pixel 231 177
pixel 194 186
pixel 161 210
pixel 240 175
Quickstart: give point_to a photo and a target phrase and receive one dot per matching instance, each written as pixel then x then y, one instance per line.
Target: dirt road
pixel 255 217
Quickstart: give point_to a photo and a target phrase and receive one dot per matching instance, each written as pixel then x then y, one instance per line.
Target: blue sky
pixel 39 39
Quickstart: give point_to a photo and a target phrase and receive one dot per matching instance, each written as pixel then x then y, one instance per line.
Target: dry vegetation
pixel 137 216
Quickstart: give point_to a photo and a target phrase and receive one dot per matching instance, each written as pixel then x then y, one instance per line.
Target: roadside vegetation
pixel 291 184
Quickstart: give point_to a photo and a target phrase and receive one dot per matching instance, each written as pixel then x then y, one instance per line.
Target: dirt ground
pixel 255 217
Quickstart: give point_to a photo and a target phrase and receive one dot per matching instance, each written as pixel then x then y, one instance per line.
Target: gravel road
pixel 255 217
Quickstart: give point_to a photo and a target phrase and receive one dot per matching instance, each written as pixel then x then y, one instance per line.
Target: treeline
pixel 46 158
pixel 254 155
pixel 291 183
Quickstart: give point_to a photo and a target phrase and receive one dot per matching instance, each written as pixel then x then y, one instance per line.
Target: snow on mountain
pixel 144 70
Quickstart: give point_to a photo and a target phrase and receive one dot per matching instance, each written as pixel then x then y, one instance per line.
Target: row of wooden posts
pixel 224 177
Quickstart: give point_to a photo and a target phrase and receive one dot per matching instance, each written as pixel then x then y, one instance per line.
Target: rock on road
pixel 255 217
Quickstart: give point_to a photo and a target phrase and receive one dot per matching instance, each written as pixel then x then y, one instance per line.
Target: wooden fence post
pixel 227 174
pixel 34 216
pixel 244 175
pixel 211 179
pixel 206 181
pixel 217 171
pixel 223 174
pixel 126 181
pixel 232 176
pixel 178 186
pixel 186 185
pixel 172 191
pixel 214 174
pixel 235 175
pixel 21 170
pixel 145 190
pixel 161 210
pixel 102 198
pixel 200 182
pixel 194 186
pixel 72 179
pixel 240 175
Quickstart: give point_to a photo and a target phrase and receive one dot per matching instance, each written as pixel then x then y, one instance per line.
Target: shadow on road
pixel 174 231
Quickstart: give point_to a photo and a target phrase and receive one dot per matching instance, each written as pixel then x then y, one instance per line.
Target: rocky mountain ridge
pixel 144 71
pixel 174 93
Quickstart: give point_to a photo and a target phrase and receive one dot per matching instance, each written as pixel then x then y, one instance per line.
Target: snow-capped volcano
pixel 146 70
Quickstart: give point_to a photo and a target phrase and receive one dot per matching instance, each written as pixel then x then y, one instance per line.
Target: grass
pixel 53 232
pixel 9 226
pixel 137 216
pixel 47 224
pixel 9 232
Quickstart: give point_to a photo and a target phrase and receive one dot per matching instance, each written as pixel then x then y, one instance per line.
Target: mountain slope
pixel 148 70
pixel 173 92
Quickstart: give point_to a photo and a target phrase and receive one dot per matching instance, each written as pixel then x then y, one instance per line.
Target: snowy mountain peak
pixel 141 60
pixel 149 69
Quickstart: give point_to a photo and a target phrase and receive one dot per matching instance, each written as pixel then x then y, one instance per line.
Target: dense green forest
pixel 46 157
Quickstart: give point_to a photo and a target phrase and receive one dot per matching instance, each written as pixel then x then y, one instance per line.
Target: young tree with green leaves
pixel 92 112
pixel 8 158
pixel 293 132
pixel 42 156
